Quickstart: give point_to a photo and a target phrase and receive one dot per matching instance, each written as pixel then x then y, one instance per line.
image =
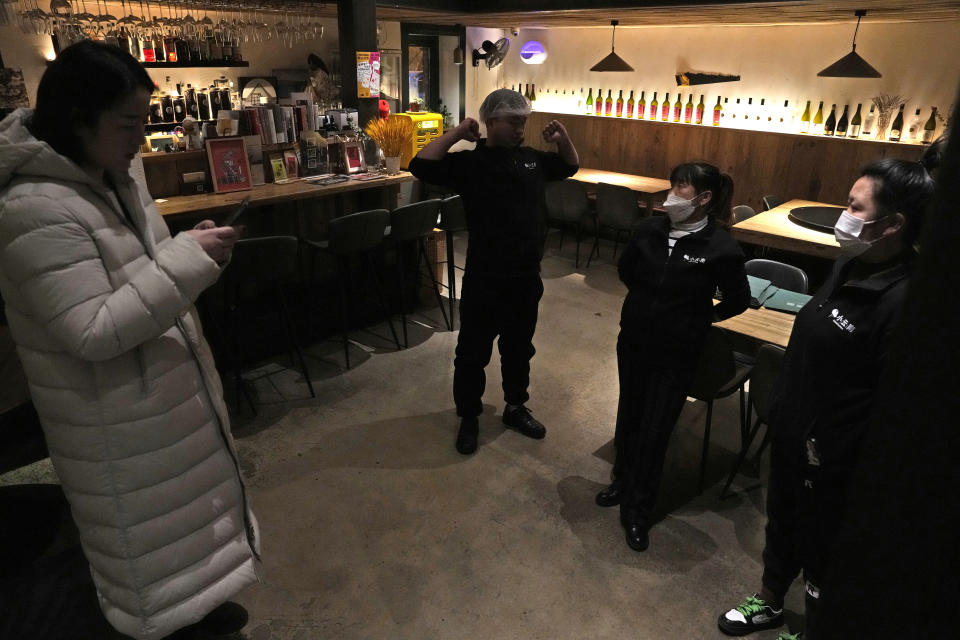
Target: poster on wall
pixel 368 74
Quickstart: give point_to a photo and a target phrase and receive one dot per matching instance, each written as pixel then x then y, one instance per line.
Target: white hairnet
pixel 503 103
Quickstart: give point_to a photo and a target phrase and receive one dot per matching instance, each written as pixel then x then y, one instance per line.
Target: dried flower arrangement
pixel 392 135
pixel 885 104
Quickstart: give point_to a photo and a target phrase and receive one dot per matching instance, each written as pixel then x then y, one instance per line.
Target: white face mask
pixel 848 232
pixel 678 208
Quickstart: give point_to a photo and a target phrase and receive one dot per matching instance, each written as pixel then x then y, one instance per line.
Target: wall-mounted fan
pixel 491 52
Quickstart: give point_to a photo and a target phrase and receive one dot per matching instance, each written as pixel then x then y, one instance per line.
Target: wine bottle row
pixel 173 105
pixel 737 113
pixel 206 46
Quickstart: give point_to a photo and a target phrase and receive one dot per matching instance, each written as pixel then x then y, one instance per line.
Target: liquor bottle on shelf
pixel 203 104
pixel 533 95
pixel 764 116
pixel 190 100
pixel 855 124
pixel 805 119
pixel 237 56
pixel 590 102
pixel 665 109
pixel 717 111
pixel 831 124
pixel 608 103
pixel 630 105
pixel 677 108
pixel 642 107
pixel 194 45
pixel 930 128
pixel 598 103
pixel 146 50
pixel 748 113
pixel 688 110
pixel 700 109
pixel 179 108
pixel 580 100
pixel 653 107
pixel 896 129
pixel 156 110
pixel 843 122
pixel 170 44
pixel 215 98
pixel 785 120
pixel 734 112
pixel 818 120
pixel 913 131
pixel 216 49
pixel 723 114
pixel 620 104
pixel 869 122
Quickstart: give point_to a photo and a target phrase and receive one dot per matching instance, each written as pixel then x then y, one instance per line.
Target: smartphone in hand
pixel 233 217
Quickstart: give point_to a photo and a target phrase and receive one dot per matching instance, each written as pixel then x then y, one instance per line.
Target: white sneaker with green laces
pixel 753 614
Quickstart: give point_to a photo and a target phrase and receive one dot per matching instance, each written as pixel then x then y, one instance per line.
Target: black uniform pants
pixel 651 399
pixel 805 507
pixel 492 306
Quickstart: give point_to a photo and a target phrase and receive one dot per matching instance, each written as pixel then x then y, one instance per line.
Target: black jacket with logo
pixel 669 304
pixel 832 366
pixel 503 192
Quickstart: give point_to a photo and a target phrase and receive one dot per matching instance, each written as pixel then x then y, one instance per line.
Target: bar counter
pixel 270 194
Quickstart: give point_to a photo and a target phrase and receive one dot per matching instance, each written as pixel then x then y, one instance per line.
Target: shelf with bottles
pixel 736 113
pixel 187 65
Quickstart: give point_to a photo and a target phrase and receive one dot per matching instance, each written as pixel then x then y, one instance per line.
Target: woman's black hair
pixel 903 187
pixel 86 79
pixel 933 155
pixel 706 177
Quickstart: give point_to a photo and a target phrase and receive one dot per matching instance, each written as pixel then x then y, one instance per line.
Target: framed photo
pixel 278 168
pixel 229 165
pixel 290 160
pixel 162 142
pixel 353 158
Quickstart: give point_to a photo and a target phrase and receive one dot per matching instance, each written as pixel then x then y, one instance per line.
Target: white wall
pixel 920 61
pixel 480 80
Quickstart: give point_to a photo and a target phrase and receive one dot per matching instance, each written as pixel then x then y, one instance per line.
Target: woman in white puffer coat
pixel 99 299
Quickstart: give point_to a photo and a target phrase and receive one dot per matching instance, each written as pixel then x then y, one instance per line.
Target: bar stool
pixel 453 218
pixel 259 267
pixel 412 223
pixel 354 235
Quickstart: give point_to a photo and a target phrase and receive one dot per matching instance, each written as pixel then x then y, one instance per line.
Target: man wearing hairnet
pixel 502 186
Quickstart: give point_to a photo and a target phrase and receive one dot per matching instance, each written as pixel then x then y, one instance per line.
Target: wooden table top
pixel 762 325
pixel 210 203
pixel 641 184
pixel 775 230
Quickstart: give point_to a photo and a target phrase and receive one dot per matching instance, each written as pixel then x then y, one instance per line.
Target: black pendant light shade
pixel 851 65
pixel 612 62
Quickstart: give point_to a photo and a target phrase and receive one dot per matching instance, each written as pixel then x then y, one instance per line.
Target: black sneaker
pixel 467 435
pixel 521 420
pixel 753 614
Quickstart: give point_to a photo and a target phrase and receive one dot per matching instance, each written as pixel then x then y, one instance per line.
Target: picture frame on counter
pixel 278 168
pixel 229 164
pixel 353 161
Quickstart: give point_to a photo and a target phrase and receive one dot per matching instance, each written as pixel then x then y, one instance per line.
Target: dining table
pixel 646 187
pixel 776 229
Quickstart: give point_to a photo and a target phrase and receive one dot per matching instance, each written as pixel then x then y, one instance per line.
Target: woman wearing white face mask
pixel 827 386
pixel 672 267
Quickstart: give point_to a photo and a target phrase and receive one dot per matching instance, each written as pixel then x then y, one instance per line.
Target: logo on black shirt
pixel 530 165
pixel 842 322
pixel 694 259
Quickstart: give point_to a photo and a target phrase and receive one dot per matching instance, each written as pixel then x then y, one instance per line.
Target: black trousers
pixel 805 507
pixel 492 306
pixel 651 399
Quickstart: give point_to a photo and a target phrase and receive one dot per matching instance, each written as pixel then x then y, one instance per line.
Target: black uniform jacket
pixel 669 304
pixel 832 366
pixel 503 191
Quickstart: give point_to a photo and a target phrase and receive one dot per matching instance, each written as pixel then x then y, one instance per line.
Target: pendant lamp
pixel 851 65
pixel 612 62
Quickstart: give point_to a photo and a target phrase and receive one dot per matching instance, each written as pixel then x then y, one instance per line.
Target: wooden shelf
pixel 187 65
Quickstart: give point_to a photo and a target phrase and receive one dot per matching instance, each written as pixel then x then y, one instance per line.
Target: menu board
pixel 368 74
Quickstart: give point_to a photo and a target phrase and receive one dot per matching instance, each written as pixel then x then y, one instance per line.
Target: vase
pixel 392 164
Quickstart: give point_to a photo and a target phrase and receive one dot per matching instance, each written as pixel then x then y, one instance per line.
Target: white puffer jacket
pixel 101 309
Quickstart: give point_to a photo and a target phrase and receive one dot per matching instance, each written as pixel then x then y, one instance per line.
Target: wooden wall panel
pixel 761 163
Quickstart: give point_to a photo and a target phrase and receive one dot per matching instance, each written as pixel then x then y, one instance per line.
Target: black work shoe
pixel 226 619
pixel 521 420
pixel 753 614
pixel 609 497
pixel 637 538
pixel 467 435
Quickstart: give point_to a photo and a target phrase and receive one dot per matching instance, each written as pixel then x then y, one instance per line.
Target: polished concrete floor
pixel 374 527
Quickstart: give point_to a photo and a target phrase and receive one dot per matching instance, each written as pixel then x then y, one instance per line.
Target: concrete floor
pixel 373 526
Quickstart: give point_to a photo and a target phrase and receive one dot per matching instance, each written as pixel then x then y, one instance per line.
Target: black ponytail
pixel 706 177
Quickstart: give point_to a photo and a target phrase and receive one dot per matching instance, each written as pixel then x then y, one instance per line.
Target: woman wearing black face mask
pixel 826 389
pixel 672 267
